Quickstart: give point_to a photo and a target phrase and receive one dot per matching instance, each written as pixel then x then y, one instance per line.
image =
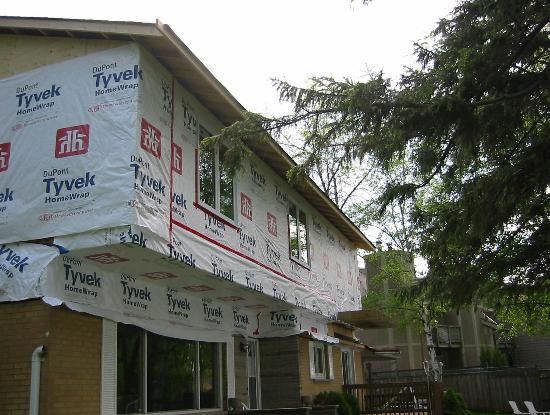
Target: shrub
pixel 352 402
pixel 347 404
pixel 453 403
pixel 491 357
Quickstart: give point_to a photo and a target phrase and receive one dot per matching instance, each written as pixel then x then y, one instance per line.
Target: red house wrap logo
pixel 246 206
pixel 72 141
pixel 177 159
pixel 271 224
pixel 150 138
pixel 4 156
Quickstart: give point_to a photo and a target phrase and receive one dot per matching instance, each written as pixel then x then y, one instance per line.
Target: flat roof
pixel 161 41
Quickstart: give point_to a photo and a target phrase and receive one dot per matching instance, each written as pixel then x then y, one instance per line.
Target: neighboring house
pixel 460 337
pixel 150 280
pixel 530 351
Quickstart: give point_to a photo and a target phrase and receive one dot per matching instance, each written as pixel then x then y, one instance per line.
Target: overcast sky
pixel 245 43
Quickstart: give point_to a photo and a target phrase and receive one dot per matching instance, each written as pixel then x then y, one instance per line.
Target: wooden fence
pixel 415 398
pixel 492 389
pixel 488 388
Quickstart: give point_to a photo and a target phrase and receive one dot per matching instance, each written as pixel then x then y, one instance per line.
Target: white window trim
pixel 328 373
pixel 108 367
pixel 257 374
pixel 216 209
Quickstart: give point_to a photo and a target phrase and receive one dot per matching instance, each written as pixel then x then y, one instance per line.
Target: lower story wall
pixel 71 368
pixel 310 387
pixel 23 327
pixel 279 372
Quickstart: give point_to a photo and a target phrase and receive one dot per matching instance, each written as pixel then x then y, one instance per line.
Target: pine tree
pixel 471 125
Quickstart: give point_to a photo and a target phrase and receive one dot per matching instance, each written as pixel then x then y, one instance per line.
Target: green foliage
pixel 392 277
pixel 453 403
pixel 471 127
pixel 523 314
pixel 491 357
pixel 353 403
pixel 347 404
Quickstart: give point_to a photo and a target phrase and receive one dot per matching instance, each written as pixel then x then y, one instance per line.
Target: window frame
pixel 298 259
pixel 351 369
pixel 326 351
pixel 215 210
pixel 144 370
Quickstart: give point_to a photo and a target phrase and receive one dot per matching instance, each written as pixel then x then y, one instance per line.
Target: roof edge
pixel 79 25
pixel 174 39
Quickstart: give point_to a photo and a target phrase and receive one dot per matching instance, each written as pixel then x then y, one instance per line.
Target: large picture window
pixel 157 373
pixel 215 183
pixel 298 234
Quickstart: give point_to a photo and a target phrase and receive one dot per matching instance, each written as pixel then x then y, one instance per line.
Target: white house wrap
pixel 101 153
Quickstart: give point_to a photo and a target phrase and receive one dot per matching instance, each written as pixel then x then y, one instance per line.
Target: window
pixel 215 182
pixel 448 336
pixel 320 361
pixel 298 234
pixel 348 367
pixel 157 373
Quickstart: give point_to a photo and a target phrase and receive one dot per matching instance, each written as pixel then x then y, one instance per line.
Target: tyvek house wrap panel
pixel 22 267
pixel 151 162
pixel 66 133
pixel 253 249
pixel 160 292
pixel 185 138
pixel 142 162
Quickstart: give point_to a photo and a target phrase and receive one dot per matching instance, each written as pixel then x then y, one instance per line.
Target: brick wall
pixel 23 327
pixel 71 370
pixel 310 387
pixel 73 363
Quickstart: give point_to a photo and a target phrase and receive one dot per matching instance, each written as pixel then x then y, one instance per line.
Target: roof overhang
pixel 161 41
pixel 366 319
pixel 378 354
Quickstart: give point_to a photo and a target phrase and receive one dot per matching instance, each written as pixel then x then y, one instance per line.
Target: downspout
pixel 36 362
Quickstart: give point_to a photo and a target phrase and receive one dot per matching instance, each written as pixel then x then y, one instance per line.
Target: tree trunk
pixel 433 367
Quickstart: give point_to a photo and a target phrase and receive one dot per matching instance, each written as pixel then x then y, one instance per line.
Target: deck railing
pixel 415 398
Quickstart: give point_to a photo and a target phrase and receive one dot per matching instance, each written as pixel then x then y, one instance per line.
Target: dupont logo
pixel 4 156
pixel 72 141
pixel 150 138
pixel 106 258
pixel 177 159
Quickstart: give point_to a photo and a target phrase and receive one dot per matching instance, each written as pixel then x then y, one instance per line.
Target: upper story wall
pixel 151 151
